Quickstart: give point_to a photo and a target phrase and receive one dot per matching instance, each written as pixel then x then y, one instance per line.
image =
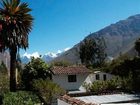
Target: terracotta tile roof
pixel 73 101
pixel 70 70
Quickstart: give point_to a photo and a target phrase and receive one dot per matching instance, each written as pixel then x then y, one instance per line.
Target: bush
pixel 47 90
pixel 97 86
pixel 4 83
pixel 35 69
pixel 113 84
pixel 61 63
pixel 117 83
pixel 20 98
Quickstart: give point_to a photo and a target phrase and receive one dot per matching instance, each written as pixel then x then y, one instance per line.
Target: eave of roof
pixel 70 70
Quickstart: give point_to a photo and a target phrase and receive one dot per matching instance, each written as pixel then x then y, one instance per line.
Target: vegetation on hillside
pixel 61 63
pixel 137 46
pixel 92 52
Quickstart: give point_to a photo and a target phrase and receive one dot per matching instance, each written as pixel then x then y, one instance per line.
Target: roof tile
pixel 70 70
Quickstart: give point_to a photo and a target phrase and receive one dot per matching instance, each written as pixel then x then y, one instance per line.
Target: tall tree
pixel 137 46
pixel 15 25
pixel 92 52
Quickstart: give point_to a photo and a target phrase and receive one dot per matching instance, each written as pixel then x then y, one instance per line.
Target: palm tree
pixel 15 25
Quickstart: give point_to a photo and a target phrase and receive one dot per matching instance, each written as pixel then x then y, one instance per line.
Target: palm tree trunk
pixel 13 52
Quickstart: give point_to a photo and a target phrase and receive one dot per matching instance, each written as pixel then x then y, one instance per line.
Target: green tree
pixel 15 25
pixel 20 98
pixel 137 46
pixel 61 63
pixel 47 90
pixel 35 69
pixel 92 52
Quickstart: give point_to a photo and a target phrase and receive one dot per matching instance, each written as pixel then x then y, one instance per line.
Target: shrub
pixel 116 83
pixel 98 86
pixel 35 69
pixel 4 83
pixel 47 90
pixel 112 84
pixel 20 98
pixel 61 63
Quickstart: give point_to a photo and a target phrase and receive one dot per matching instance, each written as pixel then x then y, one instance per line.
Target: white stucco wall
pixel 62 80
pixel 60 102
pixel 92 77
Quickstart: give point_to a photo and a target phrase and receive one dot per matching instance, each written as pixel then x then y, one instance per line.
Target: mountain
pixel 119 38
pixel 50 56
pixel 47 57
pixel 25 59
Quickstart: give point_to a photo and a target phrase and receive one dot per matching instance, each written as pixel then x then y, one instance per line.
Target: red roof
pixel 70 70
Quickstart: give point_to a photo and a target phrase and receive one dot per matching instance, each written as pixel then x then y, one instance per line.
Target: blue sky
pixel 59 24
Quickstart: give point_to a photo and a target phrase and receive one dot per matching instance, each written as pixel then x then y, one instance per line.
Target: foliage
pixel 117 83
pixel 98 86
pixel 60 63
pixel 92 52
pixel 126 67
pixel 35 69
pixel 119 66
pixel 127 83
pixel 4 83
pixel 15 25
pixel 47 90
pixel 20 98
pixel 137 46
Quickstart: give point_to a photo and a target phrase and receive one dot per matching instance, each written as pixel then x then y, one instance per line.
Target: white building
pixel 71 77
pixel 98 75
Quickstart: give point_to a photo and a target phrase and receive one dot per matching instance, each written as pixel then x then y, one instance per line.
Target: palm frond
pixel 17 23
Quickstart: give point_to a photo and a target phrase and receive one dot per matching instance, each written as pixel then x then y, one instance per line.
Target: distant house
pixel 71 77
pixel 98 75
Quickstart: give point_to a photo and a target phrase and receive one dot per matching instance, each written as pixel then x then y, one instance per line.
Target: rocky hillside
pixel 119 38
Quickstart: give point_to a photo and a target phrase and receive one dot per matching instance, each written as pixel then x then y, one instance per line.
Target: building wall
pixel 62 80
pixel 92 77
pixel 60 102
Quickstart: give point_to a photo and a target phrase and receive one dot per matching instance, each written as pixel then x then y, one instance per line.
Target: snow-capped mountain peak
pixel 46 57
pixel 53 55
pixel 35 55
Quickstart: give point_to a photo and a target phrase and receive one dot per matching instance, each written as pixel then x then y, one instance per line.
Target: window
pixel 97 77
pixel 71 78
pixel 104 77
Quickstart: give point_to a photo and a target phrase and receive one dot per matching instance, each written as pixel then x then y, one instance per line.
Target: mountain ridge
pixel 119 38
